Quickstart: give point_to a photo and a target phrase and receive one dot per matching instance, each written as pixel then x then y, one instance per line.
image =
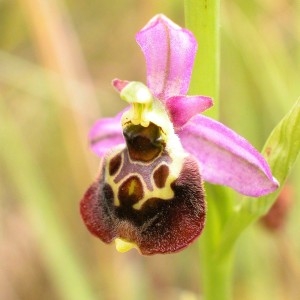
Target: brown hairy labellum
pixel 146 195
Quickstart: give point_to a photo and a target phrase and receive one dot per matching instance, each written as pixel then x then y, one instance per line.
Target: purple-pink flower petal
pixel 106 134
pixel 119 84
pixel 182 108
pixel 227 158
pixel 169 51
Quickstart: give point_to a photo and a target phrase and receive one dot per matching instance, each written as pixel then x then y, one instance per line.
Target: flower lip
pixel 159 226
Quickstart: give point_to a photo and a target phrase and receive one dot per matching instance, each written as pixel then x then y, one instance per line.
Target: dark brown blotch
pixel 114 164
pixel 131 191
pixel 160 176
pixel 143 143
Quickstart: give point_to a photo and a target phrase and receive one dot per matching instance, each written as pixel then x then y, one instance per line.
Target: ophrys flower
pixel 149 192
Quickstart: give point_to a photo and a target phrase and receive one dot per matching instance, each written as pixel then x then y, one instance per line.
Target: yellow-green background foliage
pixel 57 60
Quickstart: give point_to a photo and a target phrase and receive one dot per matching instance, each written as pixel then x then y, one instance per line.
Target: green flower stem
pixel 216 282
pixel 216 270
pixel 202 18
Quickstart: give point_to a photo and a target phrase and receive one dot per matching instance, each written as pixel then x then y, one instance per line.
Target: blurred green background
pixel 57 60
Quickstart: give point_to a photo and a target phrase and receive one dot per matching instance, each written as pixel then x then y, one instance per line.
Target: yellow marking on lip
pixel 166 192
pixel 132 187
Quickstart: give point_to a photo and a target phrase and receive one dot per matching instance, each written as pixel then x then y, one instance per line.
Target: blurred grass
pixel 56 64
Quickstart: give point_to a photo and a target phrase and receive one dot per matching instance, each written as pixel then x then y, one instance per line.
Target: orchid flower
pixel 156 154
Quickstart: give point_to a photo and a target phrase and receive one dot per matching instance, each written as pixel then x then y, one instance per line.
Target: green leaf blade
pixel 281 151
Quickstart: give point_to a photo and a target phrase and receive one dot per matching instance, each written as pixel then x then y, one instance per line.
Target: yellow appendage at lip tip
pixel 124 246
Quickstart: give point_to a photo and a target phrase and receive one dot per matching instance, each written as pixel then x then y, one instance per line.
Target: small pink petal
pixel 119 84
pixel 182 108
pixel 226 158
pixel 106 134
pixel 169 51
